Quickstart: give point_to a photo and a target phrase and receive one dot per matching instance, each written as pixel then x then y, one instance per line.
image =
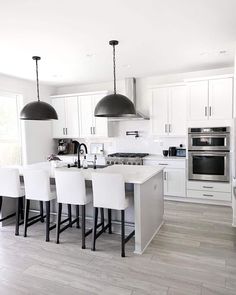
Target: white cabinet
pixel 169 108
pixel 91 126
pixel 67 125
pixel 210 99
pixel 174 182
pixel 174 176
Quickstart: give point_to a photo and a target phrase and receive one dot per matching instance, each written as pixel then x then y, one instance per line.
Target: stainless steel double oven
pixel 208 154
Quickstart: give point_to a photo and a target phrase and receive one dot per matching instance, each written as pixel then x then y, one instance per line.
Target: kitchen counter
pixel 147 186
pixel 159 157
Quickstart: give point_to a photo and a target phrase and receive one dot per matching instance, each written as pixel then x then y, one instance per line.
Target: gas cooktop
pixel 128 155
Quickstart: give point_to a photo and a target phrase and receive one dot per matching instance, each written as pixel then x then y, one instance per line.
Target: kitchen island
pixel 147 187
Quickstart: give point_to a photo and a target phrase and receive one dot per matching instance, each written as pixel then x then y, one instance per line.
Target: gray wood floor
pixel 194 253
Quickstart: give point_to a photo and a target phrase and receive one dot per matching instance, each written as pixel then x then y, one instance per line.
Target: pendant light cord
pixel 114 67
pixel 37 79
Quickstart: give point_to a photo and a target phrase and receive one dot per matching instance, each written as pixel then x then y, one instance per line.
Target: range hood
pixel 130 92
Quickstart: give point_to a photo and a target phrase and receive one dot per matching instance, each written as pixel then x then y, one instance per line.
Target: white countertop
pixel 131 173
pixel 159 157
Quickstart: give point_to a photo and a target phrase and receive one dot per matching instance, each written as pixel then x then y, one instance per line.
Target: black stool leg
pixel 122 233
pixel 83 227
pixel 41 211
pixel 69 214
pixel 109 221
pixel 59 209
pixel 95 220
pixel 26 216
pixel 18 205
pixel 77 216
pixel 47 220
pixel 0 203
pixel 22 208
pixel 102 217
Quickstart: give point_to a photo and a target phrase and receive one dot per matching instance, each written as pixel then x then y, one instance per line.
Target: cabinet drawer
pixel 209 186
pixel 166 163
pixel 220 196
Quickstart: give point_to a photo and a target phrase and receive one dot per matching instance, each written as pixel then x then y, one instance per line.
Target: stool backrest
pixel 37 184
pixel 9 182
pixel 70 186
pixel 109 191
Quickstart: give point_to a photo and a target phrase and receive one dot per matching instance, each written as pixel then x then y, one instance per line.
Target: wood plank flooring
pixel 194 253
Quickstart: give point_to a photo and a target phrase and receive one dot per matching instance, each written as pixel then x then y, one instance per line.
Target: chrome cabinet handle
pixel 170 129
pixel 63 131
pixel 165 175
pixel 162 164
pixel 205 111
pixel 210 111
pixel 204 186
pixel 94 130
pixel 206 195
pixel 165 128
pixel 91 130
pixel 66 131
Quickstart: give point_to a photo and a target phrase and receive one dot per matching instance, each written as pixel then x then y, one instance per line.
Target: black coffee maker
pixel 172 151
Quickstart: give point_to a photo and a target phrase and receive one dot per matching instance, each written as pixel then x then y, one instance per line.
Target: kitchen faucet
pixel 79 152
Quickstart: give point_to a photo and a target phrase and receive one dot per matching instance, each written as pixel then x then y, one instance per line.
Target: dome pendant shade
pixel 38 110
pixel 115 105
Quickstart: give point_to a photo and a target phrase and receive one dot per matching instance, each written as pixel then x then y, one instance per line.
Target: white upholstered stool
pixel 10 187
pixel 109 192
pixel 38 188
pixel 71 189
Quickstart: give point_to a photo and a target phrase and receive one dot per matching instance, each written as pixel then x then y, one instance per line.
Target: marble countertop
pixel 131 173
pixel 160 157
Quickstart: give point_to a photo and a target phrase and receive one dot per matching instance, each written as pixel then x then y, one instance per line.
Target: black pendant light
pixel 115 105
pixel 38 110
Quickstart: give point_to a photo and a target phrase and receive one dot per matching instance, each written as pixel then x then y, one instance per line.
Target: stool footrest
pixel 69 224
pixel 7 217
pixel 102 230
pixel 129 236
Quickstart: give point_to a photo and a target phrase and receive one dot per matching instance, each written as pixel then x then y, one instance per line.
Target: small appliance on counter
pixel 165 153
pixel 63 147
pixel 172 151
pixel 180 151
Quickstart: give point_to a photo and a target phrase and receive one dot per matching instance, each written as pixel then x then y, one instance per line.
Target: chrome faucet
pixel 79 152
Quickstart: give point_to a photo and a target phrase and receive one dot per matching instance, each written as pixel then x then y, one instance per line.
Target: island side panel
pixel 149 210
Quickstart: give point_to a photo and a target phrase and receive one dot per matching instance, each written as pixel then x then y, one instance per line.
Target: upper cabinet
pixel 67 125
pixel 91 126
pixel 210 99
pixel 169 107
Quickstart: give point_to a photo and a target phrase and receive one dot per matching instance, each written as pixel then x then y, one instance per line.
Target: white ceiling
pixel 156 37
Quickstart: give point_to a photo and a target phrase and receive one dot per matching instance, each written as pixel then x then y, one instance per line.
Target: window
pixel 10 139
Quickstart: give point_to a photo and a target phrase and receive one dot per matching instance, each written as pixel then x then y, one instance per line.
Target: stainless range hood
pixel 130 92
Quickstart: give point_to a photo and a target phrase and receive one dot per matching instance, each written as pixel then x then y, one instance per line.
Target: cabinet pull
pixel 206 195
pixel 170 129
pixel 91 130
pixel 165 128
pixel 204 186
pixel 162 164
pixel 205 111
pixel 210 111
pixel 165 175
pixel 94 130
pixel 66 131
pixel 63 131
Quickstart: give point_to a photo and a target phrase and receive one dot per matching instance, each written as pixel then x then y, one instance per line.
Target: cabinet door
pixel 178 110
pixel 221 99
pixel 160 111
pixel 100 124
pixel 86 115
pixel 174 182
pixel 198 101
pixel 72 117
pixel 58 126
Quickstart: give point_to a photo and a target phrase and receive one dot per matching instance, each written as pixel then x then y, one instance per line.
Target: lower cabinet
pixel 174 176
pixel 215 191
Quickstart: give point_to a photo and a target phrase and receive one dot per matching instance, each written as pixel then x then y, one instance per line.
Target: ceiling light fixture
pixel 115 105
pixel 38 110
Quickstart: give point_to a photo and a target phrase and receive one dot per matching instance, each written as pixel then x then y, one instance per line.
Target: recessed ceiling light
pixel 89 55
pixel 126 66
pixel 222 51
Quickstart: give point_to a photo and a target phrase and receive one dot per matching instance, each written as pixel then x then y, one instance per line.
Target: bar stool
pixel 10 187
pixel 38 188
pixel 71 189
pixel 109 192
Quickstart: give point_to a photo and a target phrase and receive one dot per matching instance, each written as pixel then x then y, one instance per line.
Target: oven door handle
pixel 213 154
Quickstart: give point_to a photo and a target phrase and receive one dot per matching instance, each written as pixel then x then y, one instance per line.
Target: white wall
pixel 146 143
pixel 36 135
